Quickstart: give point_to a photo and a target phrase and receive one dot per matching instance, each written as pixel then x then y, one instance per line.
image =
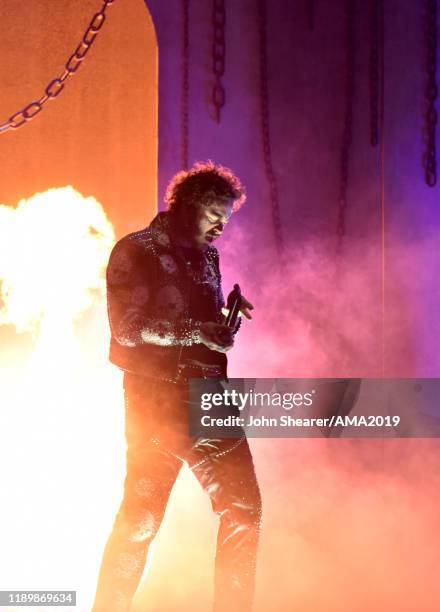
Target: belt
pixel 187 371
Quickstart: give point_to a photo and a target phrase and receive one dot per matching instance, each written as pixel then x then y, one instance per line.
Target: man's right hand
pixel 217 337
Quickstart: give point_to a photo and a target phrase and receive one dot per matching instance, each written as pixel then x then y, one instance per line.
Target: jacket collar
pixel 160 230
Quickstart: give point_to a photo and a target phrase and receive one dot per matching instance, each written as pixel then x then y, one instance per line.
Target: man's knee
pixel 143 527
pixel 253 508
pixel 245 507
pixel 141 510
pixel 136 525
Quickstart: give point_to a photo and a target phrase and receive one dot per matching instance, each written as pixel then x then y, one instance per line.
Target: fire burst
pixel 53 251
pixel 62 417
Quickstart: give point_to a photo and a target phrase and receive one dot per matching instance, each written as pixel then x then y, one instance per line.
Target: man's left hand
pixel 245 307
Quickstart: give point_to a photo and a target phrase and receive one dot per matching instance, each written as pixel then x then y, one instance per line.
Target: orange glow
pixel 53 251
pixel 62 431
pixel 100 134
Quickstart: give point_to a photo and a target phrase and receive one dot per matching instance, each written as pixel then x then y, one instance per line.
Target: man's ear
pixel 185 217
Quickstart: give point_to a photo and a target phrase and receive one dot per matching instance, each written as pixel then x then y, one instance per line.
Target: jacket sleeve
pixel 131 285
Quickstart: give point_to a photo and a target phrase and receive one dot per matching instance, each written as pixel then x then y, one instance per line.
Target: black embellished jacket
pixel 151 290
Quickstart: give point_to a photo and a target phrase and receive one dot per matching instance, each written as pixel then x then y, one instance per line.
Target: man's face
pixel 210 220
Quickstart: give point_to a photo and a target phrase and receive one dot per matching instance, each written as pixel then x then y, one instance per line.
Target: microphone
pixel 233 305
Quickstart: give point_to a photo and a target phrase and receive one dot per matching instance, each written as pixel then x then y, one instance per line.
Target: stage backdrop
pixel 348 524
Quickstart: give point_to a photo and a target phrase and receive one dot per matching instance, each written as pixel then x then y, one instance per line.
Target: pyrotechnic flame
pixel 54 248
pixel 62 417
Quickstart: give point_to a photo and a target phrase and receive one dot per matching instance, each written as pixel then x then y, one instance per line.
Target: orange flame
pixel 62 429
pixel 53 251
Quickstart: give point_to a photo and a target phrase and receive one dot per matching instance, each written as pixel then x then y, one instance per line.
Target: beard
pixel 187 230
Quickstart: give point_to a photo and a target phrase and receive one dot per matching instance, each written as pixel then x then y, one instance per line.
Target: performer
pixel 164 304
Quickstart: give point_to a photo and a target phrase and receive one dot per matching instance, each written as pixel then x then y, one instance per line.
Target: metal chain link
pixel 218 55
pixel 311 14
pixel 374 72
pixel 348 121
pixel 184 87
pixel 431 95
pixel 264 107
pixel 56 86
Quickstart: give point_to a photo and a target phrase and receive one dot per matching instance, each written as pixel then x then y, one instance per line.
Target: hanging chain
pixel 374 72
pixel 184 86
pixel 311 14
pixel 348 121
pixel 56 86
pixel 431 95
pixel 218 55
pixel 264 108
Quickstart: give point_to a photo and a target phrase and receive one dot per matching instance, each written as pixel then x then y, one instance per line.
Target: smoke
pixel 322 314
pixel 314 315
pixel 347 524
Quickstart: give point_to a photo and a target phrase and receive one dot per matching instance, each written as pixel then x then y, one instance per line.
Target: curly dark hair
pixel 205 180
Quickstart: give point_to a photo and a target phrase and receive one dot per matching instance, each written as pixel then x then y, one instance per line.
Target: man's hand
pixel 217 337
pixel 245 306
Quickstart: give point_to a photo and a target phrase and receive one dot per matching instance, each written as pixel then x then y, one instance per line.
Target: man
pixel 165 310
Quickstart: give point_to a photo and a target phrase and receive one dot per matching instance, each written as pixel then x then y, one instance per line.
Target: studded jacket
pixel 149 287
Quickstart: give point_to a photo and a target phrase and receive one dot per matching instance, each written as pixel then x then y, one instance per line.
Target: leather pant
pixel 157 445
